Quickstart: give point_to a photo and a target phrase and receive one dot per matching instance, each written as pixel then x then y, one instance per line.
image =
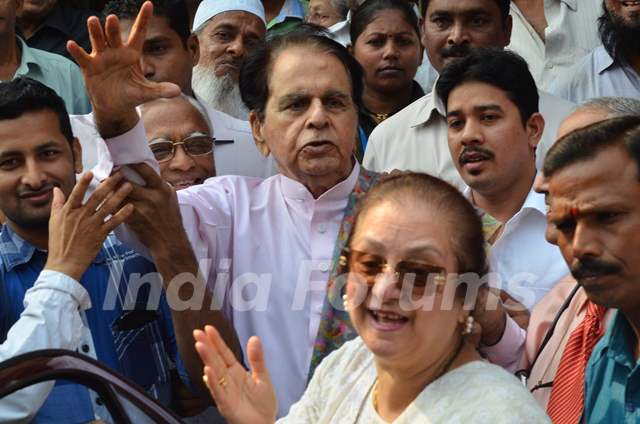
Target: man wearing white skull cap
pixel 226 30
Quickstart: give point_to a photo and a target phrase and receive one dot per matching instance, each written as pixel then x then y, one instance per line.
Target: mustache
pixel 456 50
pixel 589 267
pixel 476 151
pixel 28 192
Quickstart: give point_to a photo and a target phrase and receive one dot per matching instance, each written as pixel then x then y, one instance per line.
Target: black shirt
pixel 63 23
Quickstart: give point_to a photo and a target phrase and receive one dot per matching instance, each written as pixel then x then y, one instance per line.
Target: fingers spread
pixel 225 353
pixel 81 57
pixel 255 355
pixel 96 35
pixel 139 29
pixel 112 31
pixel 112 203
pixel 105 189
pixel 58 200
pixel 78 192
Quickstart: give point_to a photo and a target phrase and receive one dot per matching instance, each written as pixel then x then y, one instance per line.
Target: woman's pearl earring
pixel 468 325
pixel 345 302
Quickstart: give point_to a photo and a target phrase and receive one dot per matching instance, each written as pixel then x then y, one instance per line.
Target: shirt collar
pixel 27 60
pixel 290 9
pixel 15 251
pixel 616 341
pixel 534 201
pixel 603 60
pixel 431 104
pixel 296 190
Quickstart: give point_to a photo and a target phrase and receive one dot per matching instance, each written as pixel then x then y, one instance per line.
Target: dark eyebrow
pixel 41 147
pixel 336 94
pixel 224 26
pixel 292 98
pixel 158 39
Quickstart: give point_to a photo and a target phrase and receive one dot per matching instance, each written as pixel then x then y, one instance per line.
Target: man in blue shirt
pixel 594 193
pixel 128 326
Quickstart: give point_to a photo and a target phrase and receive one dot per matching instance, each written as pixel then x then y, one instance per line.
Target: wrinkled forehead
pixel 307 69
pixel 158 26
pixel 171 117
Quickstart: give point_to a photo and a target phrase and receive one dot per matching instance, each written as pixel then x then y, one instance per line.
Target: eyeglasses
pixel 370 266
pixel 194 145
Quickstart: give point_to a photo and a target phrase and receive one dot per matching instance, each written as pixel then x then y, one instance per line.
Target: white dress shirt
pixel 571 33
pixel 598 75
pixel 52 319
pixel 527 264
pixel 415 139
pixel 274 242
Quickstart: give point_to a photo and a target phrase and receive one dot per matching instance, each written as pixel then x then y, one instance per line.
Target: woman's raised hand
pixel 242 397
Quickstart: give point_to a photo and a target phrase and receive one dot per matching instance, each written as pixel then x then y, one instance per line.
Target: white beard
pixel 222 93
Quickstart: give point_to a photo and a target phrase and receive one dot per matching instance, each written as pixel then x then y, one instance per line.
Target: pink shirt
pixel 274 242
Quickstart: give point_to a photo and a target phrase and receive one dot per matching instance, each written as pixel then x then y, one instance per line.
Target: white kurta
pixel 477 392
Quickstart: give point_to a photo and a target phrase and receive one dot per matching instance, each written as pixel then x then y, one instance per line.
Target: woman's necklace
pixel 441 372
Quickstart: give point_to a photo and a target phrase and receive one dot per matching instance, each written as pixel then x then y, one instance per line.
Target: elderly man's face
pixel 451 28
pixel 310 118
pixel 322 12
pixel 165 58
pixel 595 207
pixel 226 39
pixel 176 120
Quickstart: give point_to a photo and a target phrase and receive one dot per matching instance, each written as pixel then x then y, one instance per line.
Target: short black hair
pixel 585 143
pixel 256 70
pixel 175 11
pixel 499 68
pixel 503 5
pixel 370 9
pixel 23 95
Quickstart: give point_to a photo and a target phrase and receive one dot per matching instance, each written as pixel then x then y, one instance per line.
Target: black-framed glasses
pixel 195 145
pixel 370 266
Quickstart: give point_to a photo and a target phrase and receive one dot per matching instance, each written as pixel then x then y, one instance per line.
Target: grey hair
pixel 201 110
pixel 342 7
pixel 616 107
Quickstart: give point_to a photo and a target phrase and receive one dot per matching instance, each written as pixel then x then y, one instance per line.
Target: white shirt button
pixel 322 228
pixel 324 266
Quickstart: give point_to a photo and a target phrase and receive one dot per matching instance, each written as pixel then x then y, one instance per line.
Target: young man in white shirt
pixel 494 127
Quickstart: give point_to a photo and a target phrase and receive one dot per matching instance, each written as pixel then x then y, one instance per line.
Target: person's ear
pixel 534 129
pixel 508 26
pixel 193 46
pixel 257 130
pixel 76 149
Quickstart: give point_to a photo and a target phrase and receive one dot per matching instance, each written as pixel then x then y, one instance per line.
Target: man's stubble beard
pixel 221 93
pixel 618 36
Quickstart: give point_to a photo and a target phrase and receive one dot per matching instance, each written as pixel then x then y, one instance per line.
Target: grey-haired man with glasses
pixel 179 134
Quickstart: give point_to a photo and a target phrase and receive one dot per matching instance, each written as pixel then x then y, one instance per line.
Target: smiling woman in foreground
pixel 412 362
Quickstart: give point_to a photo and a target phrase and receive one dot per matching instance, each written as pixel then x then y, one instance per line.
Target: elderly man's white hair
pixel 616 107
pixel 193 102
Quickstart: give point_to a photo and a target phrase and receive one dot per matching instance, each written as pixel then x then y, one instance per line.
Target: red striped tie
pixel 567 395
